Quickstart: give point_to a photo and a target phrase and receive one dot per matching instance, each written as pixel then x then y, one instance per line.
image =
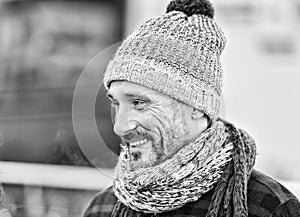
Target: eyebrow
pixel 129 95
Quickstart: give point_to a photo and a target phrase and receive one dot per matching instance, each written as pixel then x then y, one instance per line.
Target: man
pixel 177 157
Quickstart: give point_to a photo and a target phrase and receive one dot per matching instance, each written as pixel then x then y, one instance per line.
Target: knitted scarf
pixel 222 157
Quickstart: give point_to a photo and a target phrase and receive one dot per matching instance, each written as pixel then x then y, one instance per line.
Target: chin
pixel 146 157
pixel 144 163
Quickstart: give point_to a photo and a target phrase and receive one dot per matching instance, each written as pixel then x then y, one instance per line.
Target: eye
pixel 138 104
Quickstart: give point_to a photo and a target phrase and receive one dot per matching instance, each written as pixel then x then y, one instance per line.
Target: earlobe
pixel 197 114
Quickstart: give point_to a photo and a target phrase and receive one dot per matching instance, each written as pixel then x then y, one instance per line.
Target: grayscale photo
pixel 140 108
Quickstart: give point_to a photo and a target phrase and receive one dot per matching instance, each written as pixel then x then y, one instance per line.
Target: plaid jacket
pixel 266 198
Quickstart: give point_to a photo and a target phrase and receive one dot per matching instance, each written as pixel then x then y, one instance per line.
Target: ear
pixel 197 114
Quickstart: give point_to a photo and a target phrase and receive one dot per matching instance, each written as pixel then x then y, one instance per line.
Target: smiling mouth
pixel 136 149
pixel 137 144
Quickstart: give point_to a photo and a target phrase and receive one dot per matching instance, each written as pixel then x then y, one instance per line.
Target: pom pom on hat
pixel 176 56
pixel 190 7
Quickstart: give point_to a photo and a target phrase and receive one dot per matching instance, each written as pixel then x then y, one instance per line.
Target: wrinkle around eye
pixel 139 105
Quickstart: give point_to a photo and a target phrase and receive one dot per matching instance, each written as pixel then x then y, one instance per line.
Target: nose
pixel 124 122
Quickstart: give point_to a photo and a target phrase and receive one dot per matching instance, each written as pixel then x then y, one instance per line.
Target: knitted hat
pixel 177 54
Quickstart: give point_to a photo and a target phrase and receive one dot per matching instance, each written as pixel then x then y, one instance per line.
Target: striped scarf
pixel 222 157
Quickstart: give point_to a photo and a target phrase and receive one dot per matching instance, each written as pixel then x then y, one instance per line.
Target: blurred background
pixel 45 46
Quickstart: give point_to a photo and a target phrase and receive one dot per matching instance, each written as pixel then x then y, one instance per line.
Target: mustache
pixel 136 134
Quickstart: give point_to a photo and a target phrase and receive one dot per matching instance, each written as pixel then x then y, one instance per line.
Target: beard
pixel 146 155
pixel 165 136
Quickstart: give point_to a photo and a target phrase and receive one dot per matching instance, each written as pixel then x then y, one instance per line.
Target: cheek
pixel 181 125
pixel 161 120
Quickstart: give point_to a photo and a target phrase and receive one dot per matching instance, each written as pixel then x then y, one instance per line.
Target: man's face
pixel 153 125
